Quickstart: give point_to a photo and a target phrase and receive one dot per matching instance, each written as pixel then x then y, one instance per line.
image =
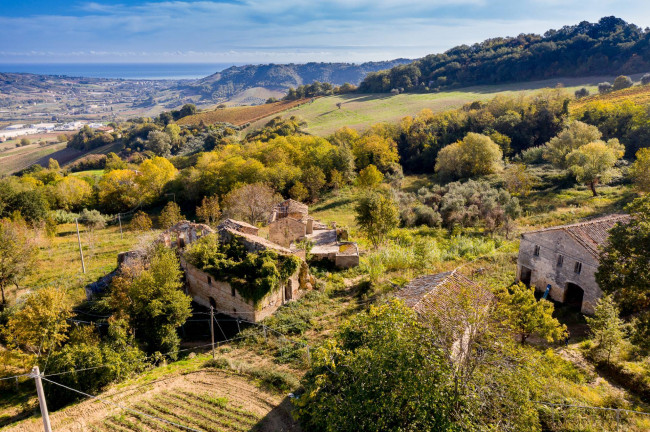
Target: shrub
pixel 141 222
pixel 170 215
pixel 622 82
pixel 533 155
pixel 62 216
pixel 645 80
pixel 605 87
pixel 583 92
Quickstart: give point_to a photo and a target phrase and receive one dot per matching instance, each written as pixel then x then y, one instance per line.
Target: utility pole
pixel 36 374
pixel 120 220
pixel 212 329
pixel 83 265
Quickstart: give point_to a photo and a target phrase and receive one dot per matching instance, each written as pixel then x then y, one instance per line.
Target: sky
pixel 276 31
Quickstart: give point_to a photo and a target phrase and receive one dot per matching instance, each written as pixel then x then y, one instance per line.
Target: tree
pixel 605 87
pixel 170 215
pixel 640 170
pixel 624 268
pixel 645 79
pixel 298 191
pixel 252 203
pixel 187 110
pixel 154 175
pixel 71 193
pixel 519 182
pixel 575 135
pixel 593 163
pixel 17 254
pixel 159 143
pixel 376 150
pixel 40 325
pixel 475 155
pixel 314 179
pixel 376 215
pixel 581 93
pixel 53 164
pixel 141 222
pixel 209 211
pixel 150 298
pixel 114 162
pixel 381 371
pixel 622 82
pixel 336 179
pixel 606 326
pixel 369 177
pixel 25 142
pixel 119 190
pixel 526 316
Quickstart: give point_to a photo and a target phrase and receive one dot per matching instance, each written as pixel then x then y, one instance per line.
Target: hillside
pixel 611 46
pixel 223 85
pixel 359 111
pixel 240 115
pixel 638 95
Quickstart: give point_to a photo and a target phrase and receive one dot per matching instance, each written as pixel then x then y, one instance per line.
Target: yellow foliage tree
pixel 40 325
pixel 375 150
pixel 593 163
pixel 119 190
pixel 640 170
pixel 71 193
pixel 154 175
pixel 475 155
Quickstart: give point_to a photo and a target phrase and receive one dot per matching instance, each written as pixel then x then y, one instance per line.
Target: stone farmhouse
pixel 290 223
pixel 564 260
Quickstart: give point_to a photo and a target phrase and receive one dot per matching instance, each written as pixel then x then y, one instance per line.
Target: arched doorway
pixel 573 296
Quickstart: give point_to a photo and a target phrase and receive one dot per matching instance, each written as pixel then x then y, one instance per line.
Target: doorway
pixel 525 275
pixel 573 296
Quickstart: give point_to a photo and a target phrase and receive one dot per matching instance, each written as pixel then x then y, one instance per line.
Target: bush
pixel 645 80
pixel 583 92
pixel 622 82
pixel 427 216
pixel 141 222
pixel 605 87
pixel 62 216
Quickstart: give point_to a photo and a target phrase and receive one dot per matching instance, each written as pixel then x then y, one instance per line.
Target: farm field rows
pixel 638 95
pixel 240 115
pixel 207 400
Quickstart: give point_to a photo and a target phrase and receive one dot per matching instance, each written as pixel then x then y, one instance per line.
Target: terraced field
pixel 240 115
pixel 206 400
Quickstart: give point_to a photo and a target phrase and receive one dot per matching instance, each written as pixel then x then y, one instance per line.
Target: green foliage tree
pixel 118 356
pixel 624 268
pixel 645 79
pixel 640 170
pixel 574 136
pixel 376 215
pixel 170 215
pixel 370 177
pixel 40 325
pixel 209 211
pixel 593 163
pixel 525 315
pixel 605 87
pixel 475 155
pixel 141 221
pixel 608 329
pixel 159 143
pixel 385 367
pixel 314 180
pixel 151 299
pixel 17 254
pixel 622 82
pixel 114 162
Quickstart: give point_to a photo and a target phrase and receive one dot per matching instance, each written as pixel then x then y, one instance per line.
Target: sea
pixel 157 71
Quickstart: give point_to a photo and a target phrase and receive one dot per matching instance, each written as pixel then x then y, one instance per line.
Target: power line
pixel 108 402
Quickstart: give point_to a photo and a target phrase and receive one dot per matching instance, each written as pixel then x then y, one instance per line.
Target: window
pixel 536 250
pixel 209 280
pixel 578 267
pixel 232 290
pixel 560 260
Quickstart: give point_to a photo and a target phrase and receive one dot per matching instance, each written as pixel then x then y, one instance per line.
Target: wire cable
pixel 108 402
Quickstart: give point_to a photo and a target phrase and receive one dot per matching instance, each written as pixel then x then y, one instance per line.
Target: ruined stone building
pixel 454 305
pixel 564 260
pixel 290 223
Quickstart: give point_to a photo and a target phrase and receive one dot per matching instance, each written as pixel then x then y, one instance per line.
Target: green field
pixel 359 111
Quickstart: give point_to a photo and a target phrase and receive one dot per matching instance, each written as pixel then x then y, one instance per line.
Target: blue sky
pixel 267 31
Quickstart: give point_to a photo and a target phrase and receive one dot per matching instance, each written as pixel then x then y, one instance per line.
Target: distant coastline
pixel 148 71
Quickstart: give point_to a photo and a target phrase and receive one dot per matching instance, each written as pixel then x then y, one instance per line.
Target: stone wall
pixel 545 269
pixel 287 230
pixel 202 287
